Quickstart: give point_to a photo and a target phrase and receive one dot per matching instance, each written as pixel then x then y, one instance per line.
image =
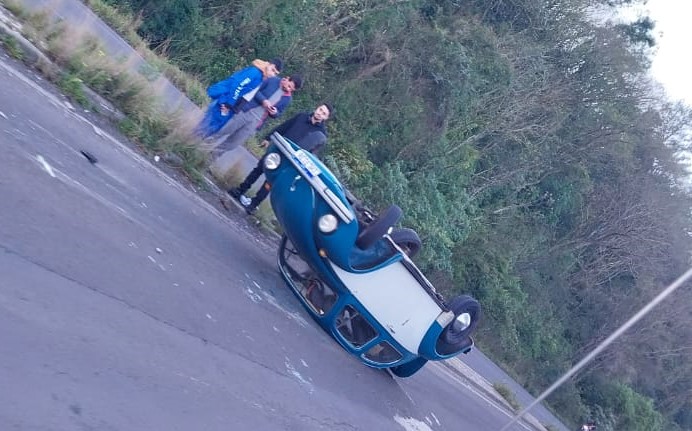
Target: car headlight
pixel 327 223
pixel 463 321
pixel 272 161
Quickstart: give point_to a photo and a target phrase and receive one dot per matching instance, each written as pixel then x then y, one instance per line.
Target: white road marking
pixel 410 398
pixel 252 295
pixel 247 335
pixel 2 114
pixel 295 316
pixel 448 374
pixel 64 178
pixel 411 424
pixel 47 167
pixel 262 295
pixel 194 379
pixel 302 380
pixel 436 419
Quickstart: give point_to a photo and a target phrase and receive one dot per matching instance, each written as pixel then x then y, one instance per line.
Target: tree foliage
pixel 529 150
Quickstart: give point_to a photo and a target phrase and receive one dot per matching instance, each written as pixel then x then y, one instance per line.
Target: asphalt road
pixel 127 302
pixel 486 368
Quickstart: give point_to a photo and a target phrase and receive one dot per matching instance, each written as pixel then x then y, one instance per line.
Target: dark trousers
pixel 253 176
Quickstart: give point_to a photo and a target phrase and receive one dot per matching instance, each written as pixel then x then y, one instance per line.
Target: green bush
pixel 72 86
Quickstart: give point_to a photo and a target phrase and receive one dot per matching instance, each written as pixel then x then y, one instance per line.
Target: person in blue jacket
pixel 230 93
pixel 252 115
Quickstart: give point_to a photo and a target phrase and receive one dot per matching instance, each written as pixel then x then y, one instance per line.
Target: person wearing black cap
pixel 237 88
pixel 305 129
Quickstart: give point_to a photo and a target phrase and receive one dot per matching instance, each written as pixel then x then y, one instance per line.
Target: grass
pixel 14 7
pixel 127 26
pixel 265 217
pixel 12 47
pixel 507 394
pixel 73 87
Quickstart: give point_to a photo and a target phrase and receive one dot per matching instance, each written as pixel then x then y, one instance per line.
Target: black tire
pixel 408 369
pixel 375 230
pixel 454 337
pixel 285 253
pixel 407 239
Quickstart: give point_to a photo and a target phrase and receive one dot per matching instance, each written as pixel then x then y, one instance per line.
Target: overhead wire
pixel 605 343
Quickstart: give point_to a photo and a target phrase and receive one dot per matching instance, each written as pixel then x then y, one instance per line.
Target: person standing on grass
pixel 252 115
pixel 229 95
pixel 305 129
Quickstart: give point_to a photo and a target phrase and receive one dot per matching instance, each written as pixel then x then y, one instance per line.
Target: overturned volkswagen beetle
pixel 353 272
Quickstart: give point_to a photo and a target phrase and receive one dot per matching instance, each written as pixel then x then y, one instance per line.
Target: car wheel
pixel 375 230
pixel 407 239
pixel 454 337
pixel 290 260
pixel 408 369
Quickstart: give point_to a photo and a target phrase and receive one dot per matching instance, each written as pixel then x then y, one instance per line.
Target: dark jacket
pixel 299 129
pixel 269 86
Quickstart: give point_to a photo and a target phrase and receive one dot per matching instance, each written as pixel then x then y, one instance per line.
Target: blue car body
pixel 372 300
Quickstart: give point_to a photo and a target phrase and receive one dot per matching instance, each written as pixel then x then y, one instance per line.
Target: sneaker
pixel 250 210
pixel 235 193
pixel 245 201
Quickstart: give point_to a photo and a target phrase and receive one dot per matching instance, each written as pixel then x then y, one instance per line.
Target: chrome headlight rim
pixel 462 321
pixel 272 161
pixel 327 223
